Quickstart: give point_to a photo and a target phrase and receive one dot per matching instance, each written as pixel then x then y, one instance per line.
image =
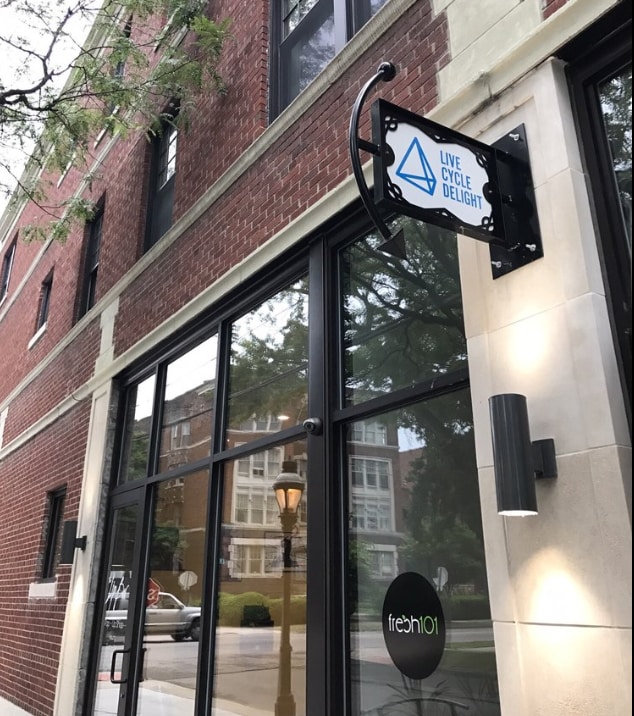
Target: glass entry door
pixel 115 662
pixel 150 629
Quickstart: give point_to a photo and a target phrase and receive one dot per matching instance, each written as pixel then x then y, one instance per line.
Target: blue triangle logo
pixel 416 169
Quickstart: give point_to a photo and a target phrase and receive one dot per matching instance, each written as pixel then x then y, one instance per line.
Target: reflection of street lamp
pixel 288 487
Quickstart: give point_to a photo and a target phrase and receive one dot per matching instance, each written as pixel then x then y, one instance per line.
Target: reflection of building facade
pixel 376 494
pixel 158 367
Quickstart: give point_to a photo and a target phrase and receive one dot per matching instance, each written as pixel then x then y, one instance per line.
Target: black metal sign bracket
pixel 519 213
pixel 393 244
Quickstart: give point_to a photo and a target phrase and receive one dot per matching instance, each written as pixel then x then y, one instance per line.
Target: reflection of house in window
pixel 171 501
pixel 262 424
pixel 254 506
pixel 376 494
pixel 254 535
pixel 383 561
pixel 181 435
pixel 254 500
pixel 369 432
pixel 186 430
pixel 254 558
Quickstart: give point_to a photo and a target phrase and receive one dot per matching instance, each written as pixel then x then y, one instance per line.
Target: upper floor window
pixel 120 54
pixel 306 36
pixel 7 265
pixel 45 302
pixel 161 200
pixel 91 263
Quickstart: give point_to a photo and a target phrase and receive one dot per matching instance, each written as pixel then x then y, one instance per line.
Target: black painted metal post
pixel 285 704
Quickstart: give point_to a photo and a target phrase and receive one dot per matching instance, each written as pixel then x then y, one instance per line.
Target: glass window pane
pixel 269 354
pixel 308 56
pixel 174 596
pixel 261 628
pixel 167 158
pixel 294 12
pixel 427 522
pixel 115 624
pixel 402 318
pixel 136 438
pixel 187 416
pixel 616 106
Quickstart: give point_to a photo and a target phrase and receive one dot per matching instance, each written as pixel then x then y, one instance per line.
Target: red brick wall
pixel 31 630
pixel 59 379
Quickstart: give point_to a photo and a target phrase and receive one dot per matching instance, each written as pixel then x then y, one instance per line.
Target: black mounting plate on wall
pixel 519 213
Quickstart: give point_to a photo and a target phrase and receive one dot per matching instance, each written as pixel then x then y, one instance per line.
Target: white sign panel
pixel 438 175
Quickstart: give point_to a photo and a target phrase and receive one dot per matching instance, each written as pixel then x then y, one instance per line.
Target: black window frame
pixel 7 266
pixel 44 303
pixel 594 57
pixel 349 16
pixel 320 255
pixel 53 532
pixel 90 265
pixel 161 190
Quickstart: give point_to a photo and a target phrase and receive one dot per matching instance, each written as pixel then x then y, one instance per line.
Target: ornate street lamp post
pixel 289 487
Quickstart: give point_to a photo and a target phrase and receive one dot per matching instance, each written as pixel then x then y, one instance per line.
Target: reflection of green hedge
pixel 466 606
pixel 231 607
pixel 298 610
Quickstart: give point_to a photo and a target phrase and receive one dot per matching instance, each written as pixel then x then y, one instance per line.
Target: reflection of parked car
pixel 168 616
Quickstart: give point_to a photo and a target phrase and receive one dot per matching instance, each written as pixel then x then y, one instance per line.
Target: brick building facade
pixel 268 260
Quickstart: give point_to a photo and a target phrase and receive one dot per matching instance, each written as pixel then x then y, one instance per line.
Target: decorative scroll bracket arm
pixel 393 244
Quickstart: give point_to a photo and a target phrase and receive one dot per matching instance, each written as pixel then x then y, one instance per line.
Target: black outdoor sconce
pixel 517 461
pixel 70 542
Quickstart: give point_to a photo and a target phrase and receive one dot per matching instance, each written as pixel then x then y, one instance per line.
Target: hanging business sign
pixel 413 625
pixel 437 175
pixel 442 177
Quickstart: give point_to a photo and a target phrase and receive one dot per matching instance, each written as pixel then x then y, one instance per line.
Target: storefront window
pixel 138 424
pixel 402 319
pixel 615 96
pixel 600 73
pixel 260 661
pixel 269 362
pixel 424 520
pixel 393 487
pixel 414 522
pixel 174 596
pixel 187 408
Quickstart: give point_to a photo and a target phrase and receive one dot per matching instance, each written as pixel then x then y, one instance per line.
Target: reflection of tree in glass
pixel 616 106
pixel 166 542
pixel 402 318
pixel 315 54
pixel 137 458
pixel 444 525
pixel 269 356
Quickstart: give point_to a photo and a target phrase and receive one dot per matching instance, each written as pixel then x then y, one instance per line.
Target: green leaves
pixel 138 55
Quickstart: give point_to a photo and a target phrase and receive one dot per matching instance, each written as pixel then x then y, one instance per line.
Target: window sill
pixel 43 590
pixel 39 333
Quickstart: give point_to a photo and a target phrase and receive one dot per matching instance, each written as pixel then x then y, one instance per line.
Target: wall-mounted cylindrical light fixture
pixel 517 461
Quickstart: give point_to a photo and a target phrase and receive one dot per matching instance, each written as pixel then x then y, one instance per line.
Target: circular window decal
pixel 413 625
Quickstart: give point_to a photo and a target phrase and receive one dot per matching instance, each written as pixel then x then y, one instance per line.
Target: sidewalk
pixel 157 698
pixel 9 709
